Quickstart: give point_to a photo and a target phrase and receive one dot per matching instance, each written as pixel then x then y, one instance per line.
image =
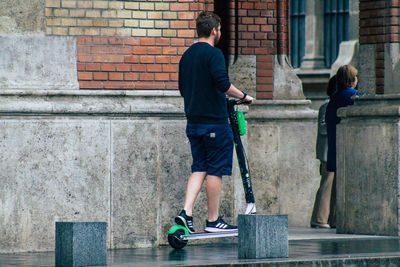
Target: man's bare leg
pixel 213 188
pixel 193 188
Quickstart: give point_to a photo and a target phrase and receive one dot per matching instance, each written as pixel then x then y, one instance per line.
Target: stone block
pixel 263 236
pixel 81 243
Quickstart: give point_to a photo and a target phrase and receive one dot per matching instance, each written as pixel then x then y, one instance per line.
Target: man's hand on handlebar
pixel 247 100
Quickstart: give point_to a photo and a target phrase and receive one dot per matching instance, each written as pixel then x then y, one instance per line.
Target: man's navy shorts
pixel 212 148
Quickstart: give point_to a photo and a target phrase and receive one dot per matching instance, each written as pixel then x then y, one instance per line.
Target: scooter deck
pixel 209 235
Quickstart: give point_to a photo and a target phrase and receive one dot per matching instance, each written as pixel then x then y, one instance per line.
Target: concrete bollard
pixel 81 243
pixel 263 236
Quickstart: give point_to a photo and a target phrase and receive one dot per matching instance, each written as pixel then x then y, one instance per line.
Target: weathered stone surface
pixel 135 170
pixel 21 16
pixel 123 158
pixel 81 244
pixel 281 142
pixel 242 73
pixel 348 54
pixel 38 62
pixel 263 236
pixel 52 170
pixel 368 166
pixel 366 70
pixel 392 68
pixel 286 83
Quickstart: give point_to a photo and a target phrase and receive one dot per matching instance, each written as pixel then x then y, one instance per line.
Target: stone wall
pixel 82 156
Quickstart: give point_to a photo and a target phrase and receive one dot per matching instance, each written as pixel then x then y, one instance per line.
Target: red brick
pixel 264 66
pixel 171 85
pixel 264 95
pixel 138 67
pixel 131 59
pixel 80 66
pixel 115 58
pixel 92 66
pixel 162 41
pixel 90 85
pixel 139 50
pixel 116 76
pixel 265 80
pixel 162 76
pixel 147 41
pixel 83 40
pixel 261 51
pixel 186 16
pixel 179 24
pixel 179 7
pixel 169 50
pixel 170 68
pixel 247 51
pixel 265 58
pixel 175 59
pixel 177 42
pixel 123 67
pixel 162 59
pixel 132 41
pixel 85 75
pixel 83 49
pixel 154 50
pixel 154 68
pixel 146 76
pixel 100 40
pixel 118 85
pixel 174 76
pixel 149 85
pixel 146 59
pixel 186 33
pixel 100 76
pixel 254 28
pixel 131 76
pixel 85 58
pixel 115 40
pixel 108 67
pixel 264 72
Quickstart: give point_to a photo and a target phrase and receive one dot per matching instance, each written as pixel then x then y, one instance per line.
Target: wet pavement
pixel 305 245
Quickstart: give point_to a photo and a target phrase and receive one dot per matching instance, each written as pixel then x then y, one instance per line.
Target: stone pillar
pixel 281 144
pixel 314 54
pixel 263 236
pixel 368 148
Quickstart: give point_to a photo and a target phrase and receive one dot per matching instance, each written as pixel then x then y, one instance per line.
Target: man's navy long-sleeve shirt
pixel 203 81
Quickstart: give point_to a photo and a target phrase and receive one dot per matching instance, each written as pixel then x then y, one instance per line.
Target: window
pixel 297 31
pixel 336 28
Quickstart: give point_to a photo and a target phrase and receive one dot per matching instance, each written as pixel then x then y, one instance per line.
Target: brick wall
pixel 379 24
pixel 126 44
pixel 138 44
pixel 263 31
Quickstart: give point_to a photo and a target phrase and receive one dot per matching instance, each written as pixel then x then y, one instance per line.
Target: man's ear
pixel 214 31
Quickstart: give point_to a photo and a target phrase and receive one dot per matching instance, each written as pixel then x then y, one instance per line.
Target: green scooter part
pixel 177 227
pixel 174 236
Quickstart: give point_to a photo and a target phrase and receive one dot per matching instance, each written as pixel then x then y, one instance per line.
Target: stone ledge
pixel 88 102
pixel 372 106
pixel 281 110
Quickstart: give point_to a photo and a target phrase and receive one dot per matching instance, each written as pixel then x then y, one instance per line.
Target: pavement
pixel 307 247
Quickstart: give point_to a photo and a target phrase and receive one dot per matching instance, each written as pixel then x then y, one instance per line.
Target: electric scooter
pixel 178 235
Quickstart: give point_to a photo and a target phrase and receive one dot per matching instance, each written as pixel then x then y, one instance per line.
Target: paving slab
pixel 307 247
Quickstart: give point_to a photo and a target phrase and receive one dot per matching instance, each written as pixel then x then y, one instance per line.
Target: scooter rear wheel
pixel 175 240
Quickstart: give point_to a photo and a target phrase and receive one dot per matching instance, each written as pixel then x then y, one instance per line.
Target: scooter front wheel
pixel 175 240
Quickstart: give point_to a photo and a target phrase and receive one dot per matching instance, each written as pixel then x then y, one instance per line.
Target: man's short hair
pixel 205 22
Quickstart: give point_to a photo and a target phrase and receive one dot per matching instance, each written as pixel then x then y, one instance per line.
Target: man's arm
pixel 234 92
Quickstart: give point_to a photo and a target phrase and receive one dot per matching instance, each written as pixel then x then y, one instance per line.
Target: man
pixel 203 83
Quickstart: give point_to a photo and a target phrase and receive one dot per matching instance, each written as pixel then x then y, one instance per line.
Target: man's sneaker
pixel 219 226
pixel 184 220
